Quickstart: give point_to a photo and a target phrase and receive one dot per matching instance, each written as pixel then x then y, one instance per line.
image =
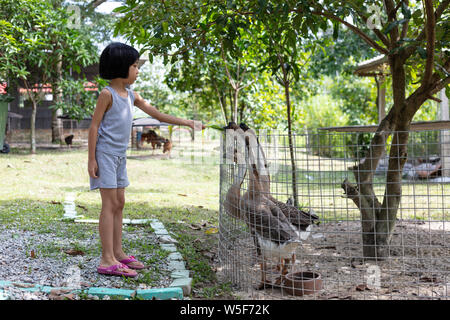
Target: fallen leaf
pixel 210 255
pixel 74 252
pixel 61 294
pixel 55 202
pixel 82 207
pixel 69 296
pixel 211 230
pixel 183 195
pixel 32 254
pixel 23 285
pixel 328 247
pixel 194 226
pixel 362 287
pixel 428 279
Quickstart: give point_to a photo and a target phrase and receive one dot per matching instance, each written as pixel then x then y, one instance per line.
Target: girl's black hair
pixel 116 59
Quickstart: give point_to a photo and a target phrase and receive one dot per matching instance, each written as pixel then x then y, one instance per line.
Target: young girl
pixel 109 134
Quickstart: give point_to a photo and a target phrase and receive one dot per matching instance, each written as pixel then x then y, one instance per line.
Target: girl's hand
pixel 196 125
pixel 93 168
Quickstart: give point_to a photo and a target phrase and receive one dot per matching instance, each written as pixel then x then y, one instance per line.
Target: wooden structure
pixel 379 69
pixel 445 136
pixel 415 126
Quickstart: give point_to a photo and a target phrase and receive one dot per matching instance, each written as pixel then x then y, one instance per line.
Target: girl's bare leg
pixel 106 227
pixel 118 223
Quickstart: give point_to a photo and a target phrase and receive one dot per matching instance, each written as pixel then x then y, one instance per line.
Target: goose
pixel 232 198
pixel 277 228
pixel 275 237
pixel 301 219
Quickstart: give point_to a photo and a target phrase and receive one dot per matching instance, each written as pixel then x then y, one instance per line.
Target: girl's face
pixel 133 72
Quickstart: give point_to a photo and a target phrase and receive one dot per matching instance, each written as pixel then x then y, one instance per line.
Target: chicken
pixel 153 138
pixel 167 147
pixel 69 139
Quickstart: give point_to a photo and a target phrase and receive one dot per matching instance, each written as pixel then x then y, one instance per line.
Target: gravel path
pixel 23 260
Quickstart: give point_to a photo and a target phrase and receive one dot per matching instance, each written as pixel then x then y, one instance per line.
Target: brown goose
pixel 274 235
pixel 233 195
pixel 299 218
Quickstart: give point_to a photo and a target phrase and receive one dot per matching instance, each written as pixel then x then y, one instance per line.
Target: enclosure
pixel 418 263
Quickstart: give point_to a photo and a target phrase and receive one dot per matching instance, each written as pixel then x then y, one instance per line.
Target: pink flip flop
pixel 128 262
pixel 114 271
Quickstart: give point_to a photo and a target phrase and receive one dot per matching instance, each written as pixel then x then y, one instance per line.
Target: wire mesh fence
pixel 296 222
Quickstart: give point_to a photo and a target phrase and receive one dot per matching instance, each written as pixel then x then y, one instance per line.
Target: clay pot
pixel 301 283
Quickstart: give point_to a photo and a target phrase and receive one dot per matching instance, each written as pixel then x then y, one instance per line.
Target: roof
pixel 149 121
pixel 67 117
pixel 372 67
pixel 415 126
pixel 88 86
pixel 14 115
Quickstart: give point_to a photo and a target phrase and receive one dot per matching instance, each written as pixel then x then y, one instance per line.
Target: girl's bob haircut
pixel 116 59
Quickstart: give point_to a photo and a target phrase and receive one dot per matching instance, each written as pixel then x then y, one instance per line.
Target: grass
pixel 319 181
pixel 176 192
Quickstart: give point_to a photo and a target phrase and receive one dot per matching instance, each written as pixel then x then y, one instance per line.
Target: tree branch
pixel 232 82
pixel 355 29
pixel 94 4
pixel 379 34
pixel 392 16
pixel 430 31
pixel 406 24
pixel 437 15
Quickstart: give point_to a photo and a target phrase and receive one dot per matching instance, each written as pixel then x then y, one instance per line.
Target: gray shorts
pixel 112 171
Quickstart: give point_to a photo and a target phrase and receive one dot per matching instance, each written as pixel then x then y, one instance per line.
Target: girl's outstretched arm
pixel 153 112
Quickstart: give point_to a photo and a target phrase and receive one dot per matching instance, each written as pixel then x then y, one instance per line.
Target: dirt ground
pixel 418 266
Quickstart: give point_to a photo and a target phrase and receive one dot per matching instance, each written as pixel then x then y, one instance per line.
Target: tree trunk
pixel 223 104
pixel 56 126
pixel 57 98
pixel 387 214
pixel 291 144
pixel 235 107
pixel 378 220
pixel 230 96
pixel 33 128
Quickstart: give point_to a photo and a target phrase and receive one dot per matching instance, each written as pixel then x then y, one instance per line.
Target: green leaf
pixel 405 10
pixel 393 24
pixel 335 30
pixel 121 9
pixel 216 127
pixel 165 26
pixel 422 52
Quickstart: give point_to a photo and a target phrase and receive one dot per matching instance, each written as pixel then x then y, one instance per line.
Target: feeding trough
pixel 302 283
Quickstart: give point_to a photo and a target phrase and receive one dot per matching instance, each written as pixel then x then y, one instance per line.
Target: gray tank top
pixel 115 127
